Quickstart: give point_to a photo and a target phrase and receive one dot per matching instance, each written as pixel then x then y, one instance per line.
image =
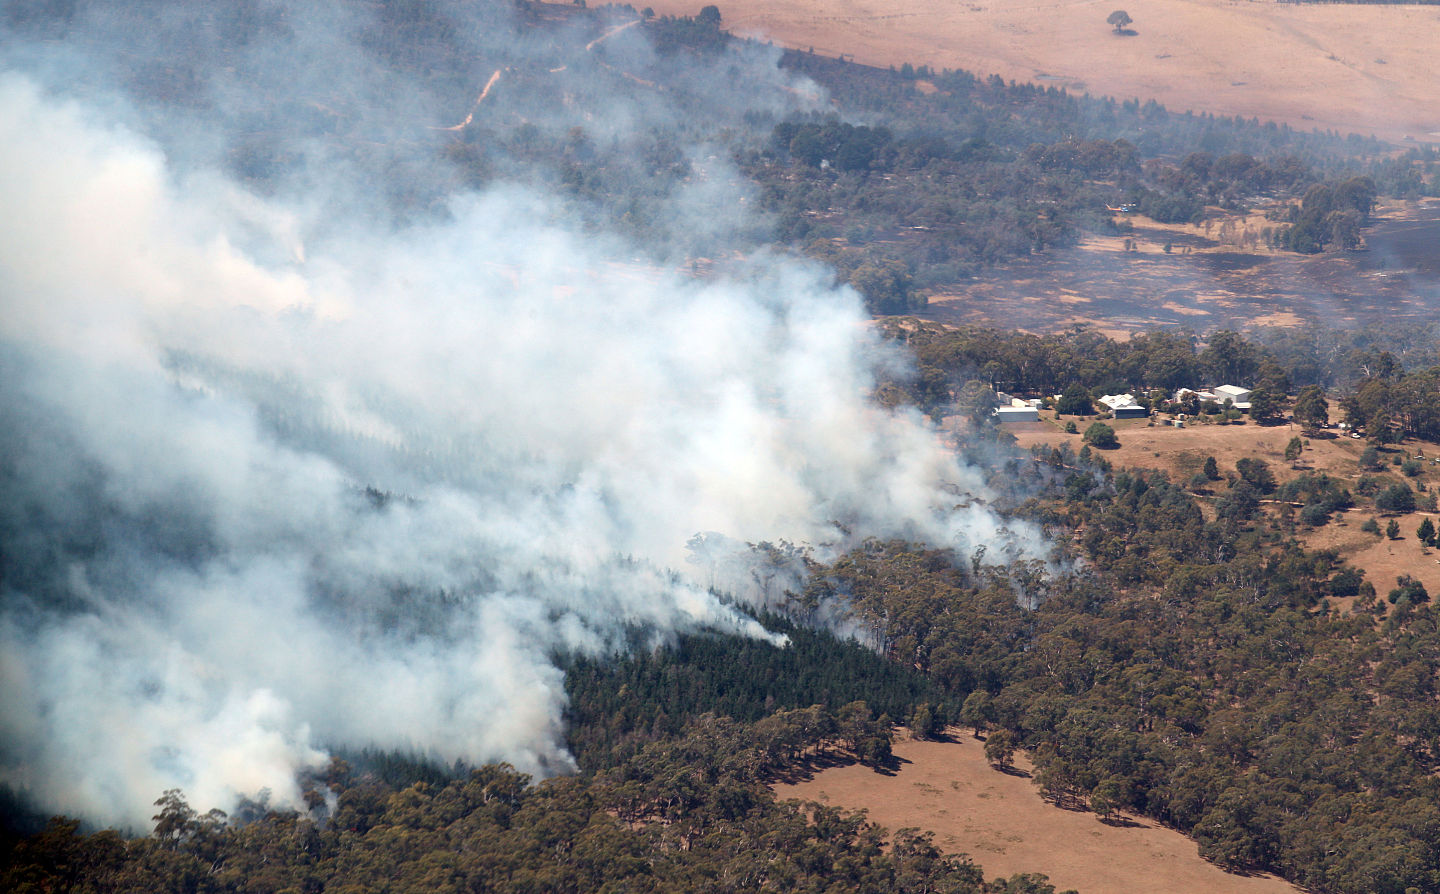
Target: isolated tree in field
pixel 1119 18
pixel 1212 469
pixel 1294 449
pixel 1102 436
pixel 1392 530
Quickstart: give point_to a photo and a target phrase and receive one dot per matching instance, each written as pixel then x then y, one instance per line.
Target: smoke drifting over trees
pixel 308 441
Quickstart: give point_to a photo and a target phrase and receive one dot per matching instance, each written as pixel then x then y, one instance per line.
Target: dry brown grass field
pixel 1001 821
pixel 1352 68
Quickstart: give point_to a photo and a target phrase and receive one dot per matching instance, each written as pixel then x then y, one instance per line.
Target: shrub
pixel 1314 514
pixel 1410 589
pixel 1370 458
pixel 1369 485
pixel 1346 582
pixel 1257 473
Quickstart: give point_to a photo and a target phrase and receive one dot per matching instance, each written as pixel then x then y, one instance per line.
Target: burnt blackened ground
pixel 1395 279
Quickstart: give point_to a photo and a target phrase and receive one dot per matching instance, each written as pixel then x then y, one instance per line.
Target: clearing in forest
pixel 1001 821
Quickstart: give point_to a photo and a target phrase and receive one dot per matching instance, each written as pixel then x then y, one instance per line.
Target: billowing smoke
pixel 272 481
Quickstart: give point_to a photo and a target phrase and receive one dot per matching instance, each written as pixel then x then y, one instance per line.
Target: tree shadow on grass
pixel 813 765
pixel 890 765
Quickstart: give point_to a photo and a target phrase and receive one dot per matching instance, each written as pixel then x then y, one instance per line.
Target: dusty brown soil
pixel 1182 453
pixel 1001 821
pixel 1352 68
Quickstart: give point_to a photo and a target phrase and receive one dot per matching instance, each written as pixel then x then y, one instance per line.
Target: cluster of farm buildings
pixel 1120 406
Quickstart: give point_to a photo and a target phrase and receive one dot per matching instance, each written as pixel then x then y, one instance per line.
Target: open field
pixel 1001 821
pixel 1182 452
pixel 1202 284
pixel 1352 68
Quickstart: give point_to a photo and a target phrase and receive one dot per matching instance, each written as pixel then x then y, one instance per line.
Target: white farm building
pixel 1016 414
pixel 1124 406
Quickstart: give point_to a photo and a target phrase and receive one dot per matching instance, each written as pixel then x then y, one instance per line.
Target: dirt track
pixel 1352 68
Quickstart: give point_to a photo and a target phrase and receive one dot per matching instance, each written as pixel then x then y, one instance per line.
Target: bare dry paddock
pixel 1003 824
pixel 1354 68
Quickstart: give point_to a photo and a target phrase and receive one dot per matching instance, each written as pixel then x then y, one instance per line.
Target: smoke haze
pixel 284 469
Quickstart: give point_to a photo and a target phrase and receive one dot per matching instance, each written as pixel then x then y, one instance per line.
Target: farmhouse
pixel 1239 397
pixel 1124 406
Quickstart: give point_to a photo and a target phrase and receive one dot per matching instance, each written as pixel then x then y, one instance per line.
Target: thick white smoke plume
pixel 272 483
